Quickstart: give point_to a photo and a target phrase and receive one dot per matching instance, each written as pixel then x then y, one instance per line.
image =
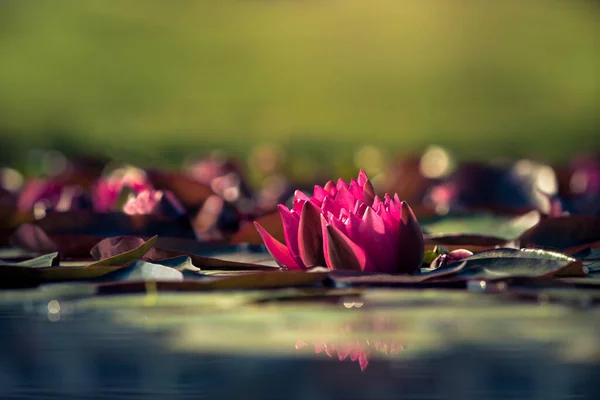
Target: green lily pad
pixel 46 260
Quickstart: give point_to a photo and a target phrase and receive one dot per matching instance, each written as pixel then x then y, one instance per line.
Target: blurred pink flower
pixel 345 226
pixel 39 190
pixel 153 202
pixel 39 195
pixel 107 189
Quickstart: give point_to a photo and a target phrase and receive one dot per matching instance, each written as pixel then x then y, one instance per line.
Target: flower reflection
pixel 348 346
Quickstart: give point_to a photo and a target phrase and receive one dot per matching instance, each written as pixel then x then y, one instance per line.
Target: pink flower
pixel 153 202
pixel 345 226
pixel 39 190
pixel 108 189
pixel 40 195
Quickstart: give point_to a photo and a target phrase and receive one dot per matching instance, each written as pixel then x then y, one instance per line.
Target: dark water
pixel 92 354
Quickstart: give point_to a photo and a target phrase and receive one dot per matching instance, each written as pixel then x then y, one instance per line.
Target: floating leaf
pixel 32 237
pixel 110 246
pixel 501 263
pixel 180 263
pixel 144 271
pixel 128 256
pixel 484 225
pixel 245 281
pixel 204 263
pixel 60 274
pixel 463 240
pixel 190 192
pixel 378 279
pixel 46 260
pixel 113 246
pixel 22 276
pixel 270 222
pixel 113 224
pixel 569 233
pixel 193 246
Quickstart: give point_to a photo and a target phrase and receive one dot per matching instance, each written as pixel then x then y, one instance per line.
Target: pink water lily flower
pixel 108 189
pixel 153 202
pixel 344 226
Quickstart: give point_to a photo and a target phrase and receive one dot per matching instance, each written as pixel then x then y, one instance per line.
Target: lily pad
pixel 501 263
pixel 128 256
pixel 145 271
pixel 569 233
pixel 46 260
pixel 486 225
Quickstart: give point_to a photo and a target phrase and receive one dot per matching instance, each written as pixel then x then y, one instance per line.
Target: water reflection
pixel 359 348
pixel 395 345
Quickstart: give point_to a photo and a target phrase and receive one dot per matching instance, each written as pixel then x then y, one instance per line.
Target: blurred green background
pixel 151 81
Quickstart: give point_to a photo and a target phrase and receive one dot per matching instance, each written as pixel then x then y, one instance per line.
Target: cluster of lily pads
pixel 121 227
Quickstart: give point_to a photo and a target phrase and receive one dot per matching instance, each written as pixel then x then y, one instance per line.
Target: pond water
pixel 287 344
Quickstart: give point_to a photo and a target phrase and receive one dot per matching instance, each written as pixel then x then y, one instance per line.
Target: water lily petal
pixel 319 194
pixel 319 347
pixel 362 177
pixel 378 245
pixel 368 192
pixel 279 251
pixel 330 188
pixel 342 253
pixel 377 204
pixel 345 199
pixel 330 206
pixel 310 236
pixel 363 361
pixel 299 199
pixel 330 349
pixel 355 189
pixel 373 222
pixel 343 352
pixel 340 184
pixel 359 209
pixel 291 223
pixel 411 248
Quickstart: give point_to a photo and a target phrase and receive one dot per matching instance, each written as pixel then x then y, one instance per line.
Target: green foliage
pixel 152 80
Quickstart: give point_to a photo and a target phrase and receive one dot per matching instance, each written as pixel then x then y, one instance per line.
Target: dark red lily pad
pixel 463 240
pixel 270 222
pixel 32 237
pixel 113 224
pixel 190 192
pixel 569 233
